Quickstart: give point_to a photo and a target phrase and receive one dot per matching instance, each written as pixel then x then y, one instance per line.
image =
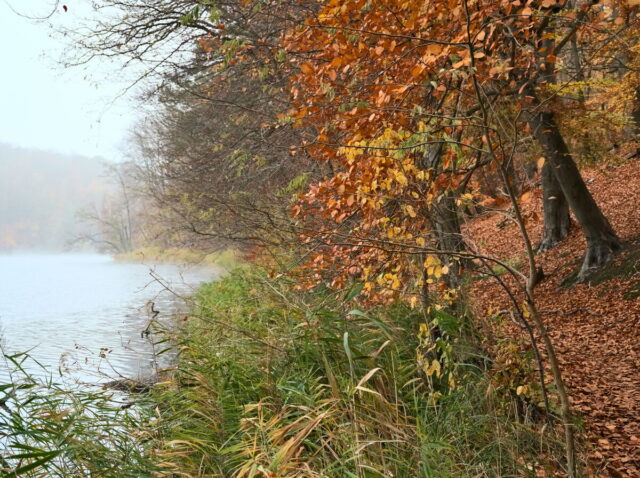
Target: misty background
pixel 59 126
pixel 41 195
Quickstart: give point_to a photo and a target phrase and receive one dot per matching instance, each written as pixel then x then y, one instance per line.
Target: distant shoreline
pixel 227 259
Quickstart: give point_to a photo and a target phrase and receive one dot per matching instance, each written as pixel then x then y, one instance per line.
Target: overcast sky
pixel 43 105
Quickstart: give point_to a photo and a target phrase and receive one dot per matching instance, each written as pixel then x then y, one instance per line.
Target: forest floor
pixel 595 326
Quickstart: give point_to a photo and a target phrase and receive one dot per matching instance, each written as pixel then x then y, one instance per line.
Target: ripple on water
pixel 84 312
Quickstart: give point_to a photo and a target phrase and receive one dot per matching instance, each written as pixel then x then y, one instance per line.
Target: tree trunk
pixel 602 242
pixel 556 210
pixel 446 225
pixel 445 221
pixel 635 117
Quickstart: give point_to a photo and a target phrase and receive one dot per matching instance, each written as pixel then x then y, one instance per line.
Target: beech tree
pixel 562 183
pixel 396 65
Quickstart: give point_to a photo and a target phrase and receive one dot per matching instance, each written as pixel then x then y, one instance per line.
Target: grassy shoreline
pixel 275 382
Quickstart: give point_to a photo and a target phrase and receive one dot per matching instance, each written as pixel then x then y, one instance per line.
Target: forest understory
pixel 594 325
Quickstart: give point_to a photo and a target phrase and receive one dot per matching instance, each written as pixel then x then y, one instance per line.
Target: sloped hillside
pixel 595 326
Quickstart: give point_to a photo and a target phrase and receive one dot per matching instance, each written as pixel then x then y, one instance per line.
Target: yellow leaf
pixel 431 260
pixel 433 368
pixel 401 178
pixel 420 241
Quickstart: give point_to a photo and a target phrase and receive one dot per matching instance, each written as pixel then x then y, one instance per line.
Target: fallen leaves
pixel 595 328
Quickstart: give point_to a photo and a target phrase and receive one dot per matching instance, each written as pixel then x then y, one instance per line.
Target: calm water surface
pixel 83 314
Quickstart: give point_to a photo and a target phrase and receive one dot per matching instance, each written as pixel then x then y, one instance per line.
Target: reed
pixel 274 382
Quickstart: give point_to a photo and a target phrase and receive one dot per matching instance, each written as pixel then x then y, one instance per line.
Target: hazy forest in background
pixel 41 195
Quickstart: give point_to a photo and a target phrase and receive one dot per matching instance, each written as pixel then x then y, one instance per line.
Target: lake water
pixel 83 314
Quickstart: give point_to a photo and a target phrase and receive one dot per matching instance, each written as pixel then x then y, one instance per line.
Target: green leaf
pixel 354 291
pixel 35 464
pixel 449 324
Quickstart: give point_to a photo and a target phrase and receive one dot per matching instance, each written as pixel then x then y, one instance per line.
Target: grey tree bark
pixel 602 241
pixel 557 221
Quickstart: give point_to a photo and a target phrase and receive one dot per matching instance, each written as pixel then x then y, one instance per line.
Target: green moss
pixel 633 292
pixel 623 267
pixel 514 262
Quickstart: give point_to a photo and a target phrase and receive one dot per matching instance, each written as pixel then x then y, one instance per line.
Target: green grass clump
pixel 55 430
pixel 277 382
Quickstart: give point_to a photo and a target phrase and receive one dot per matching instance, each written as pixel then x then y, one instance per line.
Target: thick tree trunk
pixel 556 210
pixel 602 242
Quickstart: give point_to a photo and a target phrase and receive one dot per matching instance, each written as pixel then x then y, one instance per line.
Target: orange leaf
pixel 417 70
pixel 306 68
pixel 526 197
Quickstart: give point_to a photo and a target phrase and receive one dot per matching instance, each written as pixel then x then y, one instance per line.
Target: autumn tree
pixel 406 103
pixel 562 182
pixel 397 65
